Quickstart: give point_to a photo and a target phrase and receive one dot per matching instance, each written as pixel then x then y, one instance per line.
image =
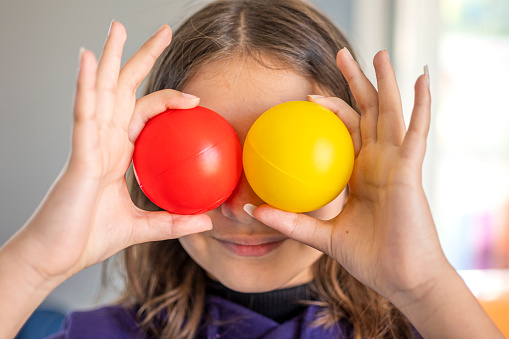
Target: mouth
pixel 251 247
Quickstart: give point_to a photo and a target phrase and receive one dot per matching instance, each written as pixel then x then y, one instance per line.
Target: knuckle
pixel 385 107
pixel 295 225
pixel 110 89
pixel 368 105
pixel 131 82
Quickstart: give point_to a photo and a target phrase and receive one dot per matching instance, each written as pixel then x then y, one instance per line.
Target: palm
pixel 385 233
pixel 379 232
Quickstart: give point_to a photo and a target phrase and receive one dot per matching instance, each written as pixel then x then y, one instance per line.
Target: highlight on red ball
pixel 188 161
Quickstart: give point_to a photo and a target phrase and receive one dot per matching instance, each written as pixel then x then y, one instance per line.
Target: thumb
pixel 157 226
pixel 157 102
pixel 303 228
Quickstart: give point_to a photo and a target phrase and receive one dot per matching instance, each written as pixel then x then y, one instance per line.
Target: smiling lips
pixel 251 248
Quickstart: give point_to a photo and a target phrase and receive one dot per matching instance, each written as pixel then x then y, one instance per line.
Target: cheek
pixel 332 209
pixel 196 246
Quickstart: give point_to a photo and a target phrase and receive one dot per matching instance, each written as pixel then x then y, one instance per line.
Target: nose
pixel 233 207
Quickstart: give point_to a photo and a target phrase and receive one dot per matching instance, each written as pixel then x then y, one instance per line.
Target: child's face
pixel 241 91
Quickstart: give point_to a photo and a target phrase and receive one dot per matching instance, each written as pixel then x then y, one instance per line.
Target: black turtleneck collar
pixel 279 305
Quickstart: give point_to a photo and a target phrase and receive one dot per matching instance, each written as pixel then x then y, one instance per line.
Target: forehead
pixel 241 89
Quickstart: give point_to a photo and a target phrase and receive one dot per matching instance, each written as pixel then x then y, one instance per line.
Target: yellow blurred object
pixel 298 156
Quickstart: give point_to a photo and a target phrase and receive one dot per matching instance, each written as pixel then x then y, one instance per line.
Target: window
pixel 471 186
pixel 466 170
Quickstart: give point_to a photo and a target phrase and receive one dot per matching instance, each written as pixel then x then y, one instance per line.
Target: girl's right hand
pixel 88 215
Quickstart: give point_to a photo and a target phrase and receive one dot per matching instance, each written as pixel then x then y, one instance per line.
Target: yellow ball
pixel 298 156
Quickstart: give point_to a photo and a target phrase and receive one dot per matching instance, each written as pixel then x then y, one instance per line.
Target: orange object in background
pixel 491 288
pixel 498 310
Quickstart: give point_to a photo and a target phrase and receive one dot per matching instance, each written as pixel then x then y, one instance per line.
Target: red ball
pixel 188 161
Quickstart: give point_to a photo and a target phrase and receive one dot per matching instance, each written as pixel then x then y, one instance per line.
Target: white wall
pixel 39 43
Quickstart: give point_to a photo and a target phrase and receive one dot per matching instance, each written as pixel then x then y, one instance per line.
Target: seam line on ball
pixel 186 159
pixel 284 172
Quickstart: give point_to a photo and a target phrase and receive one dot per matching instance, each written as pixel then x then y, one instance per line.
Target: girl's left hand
pixel 385 236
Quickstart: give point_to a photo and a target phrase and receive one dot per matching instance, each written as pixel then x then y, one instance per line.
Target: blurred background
pixel 466 172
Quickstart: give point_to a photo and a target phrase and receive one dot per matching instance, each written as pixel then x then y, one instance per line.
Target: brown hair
pixel 161 278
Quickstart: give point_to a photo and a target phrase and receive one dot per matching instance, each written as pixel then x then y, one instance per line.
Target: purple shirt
pixel 231 321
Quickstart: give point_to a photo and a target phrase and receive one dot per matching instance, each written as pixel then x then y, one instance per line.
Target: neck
pixel 278 305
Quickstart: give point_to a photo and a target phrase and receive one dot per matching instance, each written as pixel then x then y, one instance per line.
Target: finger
pixel 135 70
pixel 83 136
pixel 348 116
pixel 156 226
pixel 84 102
pixel 414 144
pixel 155 103
pixel 303 228
pixel 364 93
pixel 108 70
pixel 391 125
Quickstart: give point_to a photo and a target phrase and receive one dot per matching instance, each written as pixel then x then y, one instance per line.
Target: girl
pixel 369 264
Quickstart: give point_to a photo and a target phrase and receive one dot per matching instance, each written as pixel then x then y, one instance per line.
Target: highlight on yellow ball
pixel 298 156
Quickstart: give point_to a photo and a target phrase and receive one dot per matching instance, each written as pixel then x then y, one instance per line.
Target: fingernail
pixel 111 25
pixel 161 28
pixel 348 53
pixel 315 96
pixel 190 96
pixel 426 73
pixel 249 208
pixel 387 53
pixel 82 49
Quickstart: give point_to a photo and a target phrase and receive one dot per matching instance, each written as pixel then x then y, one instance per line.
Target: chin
pixel 252 280
pixel 246 285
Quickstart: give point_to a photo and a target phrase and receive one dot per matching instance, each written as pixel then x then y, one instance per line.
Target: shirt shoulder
pixel 106 322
